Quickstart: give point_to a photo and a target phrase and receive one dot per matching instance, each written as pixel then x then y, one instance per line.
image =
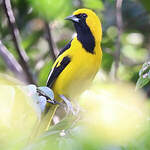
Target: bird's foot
pixel 54 102
pixel 68 104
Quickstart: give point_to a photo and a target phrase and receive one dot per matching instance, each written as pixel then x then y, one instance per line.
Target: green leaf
pixel 50 9
pixel 141 82
pixel 107 62
pixel 43 75
pixel 65 123
pixel 145 68
pixel 144 75
pixel 32 39
pixel 146 4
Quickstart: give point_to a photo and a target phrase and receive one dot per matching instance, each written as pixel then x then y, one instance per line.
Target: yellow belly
pixel 79 73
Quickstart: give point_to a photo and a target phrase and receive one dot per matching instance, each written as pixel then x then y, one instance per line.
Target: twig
pixel 17 40
pixel 14 29
pixel 120 28
pixel 52 47
pixel 11 62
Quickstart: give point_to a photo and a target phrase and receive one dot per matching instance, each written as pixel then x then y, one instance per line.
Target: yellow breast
pixel 79 72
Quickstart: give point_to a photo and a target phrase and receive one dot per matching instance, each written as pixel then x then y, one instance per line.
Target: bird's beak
pixel 72 18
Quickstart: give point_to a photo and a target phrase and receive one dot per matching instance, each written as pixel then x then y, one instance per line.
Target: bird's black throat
pixel 85 36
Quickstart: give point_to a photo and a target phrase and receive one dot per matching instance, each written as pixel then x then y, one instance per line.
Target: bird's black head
pixel 83 18
pixel 79 21
pixel 88 28
pixel 77 18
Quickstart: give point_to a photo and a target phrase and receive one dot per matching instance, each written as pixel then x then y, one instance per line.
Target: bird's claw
pixel 54 102
pixel 69 105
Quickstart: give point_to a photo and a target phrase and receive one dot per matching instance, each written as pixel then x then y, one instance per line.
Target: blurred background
pixel 43 32
pixel 31 35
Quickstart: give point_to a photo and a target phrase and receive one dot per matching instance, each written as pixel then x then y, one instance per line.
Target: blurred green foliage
pixel 51 10
pixel 31 16
pixel 96 4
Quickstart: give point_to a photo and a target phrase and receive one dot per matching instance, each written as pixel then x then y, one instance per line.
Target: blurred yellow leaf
pixel 17 117
pixel 114 112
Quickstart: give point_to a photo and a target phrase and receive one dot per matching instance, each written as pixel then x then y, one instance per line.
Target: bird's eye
pixel 84 15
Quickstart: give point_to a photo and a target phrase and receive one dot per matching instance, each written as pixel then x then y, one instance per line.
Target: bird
pixel 77 63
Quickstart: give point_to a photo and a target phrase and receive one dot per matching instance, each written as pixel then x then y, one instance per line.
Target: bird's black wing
pixel 55 72
pixel 65 48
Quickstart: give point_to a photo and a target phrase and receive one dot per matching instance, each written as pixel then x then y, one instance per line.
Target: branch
pixel 52 47
pixel 17 40
pixel 14 29
pixel 120 28
pixel 11 62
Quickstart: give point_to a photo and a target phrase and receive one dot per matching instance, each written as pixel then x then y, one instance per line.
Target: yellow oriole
pixel 79 61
